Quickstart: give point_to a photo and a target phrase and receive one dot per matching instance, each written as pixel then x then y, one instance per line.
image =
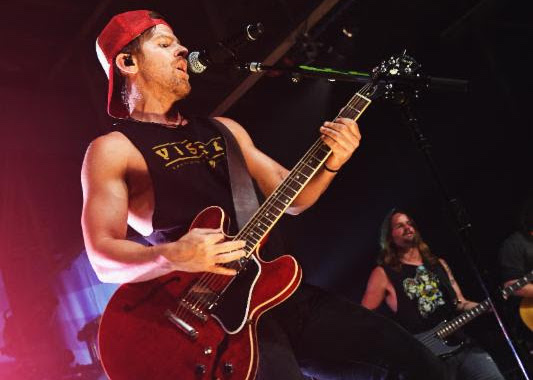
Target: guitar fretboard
pixel 456 323
pixel 278 202
pixel 517 285
pixel 461 320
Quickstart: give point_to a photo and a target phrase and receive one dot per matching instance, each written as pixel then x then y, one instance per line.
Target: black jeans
pixel 329 337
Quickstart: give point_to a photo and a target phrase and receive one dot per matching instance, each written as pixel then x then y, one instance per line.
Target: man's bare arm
pixel 344 139
pixel 462 303
pixel 104 222
pixel 376 289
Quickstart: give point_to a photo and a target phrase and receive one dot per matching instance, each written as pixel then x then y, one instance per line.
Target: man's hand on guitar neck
pixel 466 305
pixel 526 291
pixel 343 137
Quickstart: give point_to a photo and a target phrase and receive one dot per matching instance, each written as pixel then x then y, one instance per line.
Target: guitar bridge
pixel 193 310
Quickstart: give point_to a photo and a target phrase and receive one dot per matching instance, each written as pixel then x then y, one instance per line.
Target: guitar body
pixel 146 333
pixel 526 312
pixel 438 346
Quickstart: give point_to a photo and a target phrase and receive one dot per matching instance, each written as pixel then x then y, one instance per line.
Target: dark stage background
pixel 53 95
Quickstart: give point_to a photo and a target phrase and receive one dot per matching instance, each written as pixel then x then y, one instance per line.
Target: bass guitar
pixel 435 339
pixel 203 325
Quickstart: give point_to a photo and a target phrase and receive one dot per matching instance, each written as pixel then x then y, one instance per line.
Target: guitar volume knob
pixel 228 368
pixel 201 369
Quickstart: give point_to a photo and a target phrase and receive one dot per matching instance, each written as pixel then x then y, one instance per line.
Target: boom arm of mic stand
pixel 308 71
pixel 419 81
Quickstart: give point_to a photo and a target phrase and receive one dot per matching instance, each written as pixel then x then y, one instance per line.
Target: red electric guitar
pixel 202 325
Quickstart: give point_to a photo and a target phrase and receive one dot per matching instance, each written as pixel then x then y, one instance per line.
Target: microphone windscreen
pixel 195 65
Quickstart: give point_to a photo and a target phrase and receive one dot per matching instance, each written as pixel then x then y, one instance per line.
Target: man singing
pixel 159 168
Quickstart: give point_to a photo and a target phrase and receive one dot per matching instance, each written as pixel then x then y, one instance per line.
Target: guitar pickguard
pixel 231 309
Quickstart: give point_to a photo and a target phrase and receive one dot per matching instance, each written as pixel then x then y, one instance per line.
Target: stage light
pixel 347 32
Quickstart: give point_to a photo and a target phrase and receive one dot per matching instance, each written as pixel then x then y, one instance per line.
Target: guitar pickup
pixel 182 325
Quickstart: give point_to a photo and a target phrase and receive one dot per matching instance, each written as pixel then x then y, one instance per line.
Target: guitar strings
pixel 207 281
pixel 210 279
pixel 319 146
pixel 459 321
pixel 213 280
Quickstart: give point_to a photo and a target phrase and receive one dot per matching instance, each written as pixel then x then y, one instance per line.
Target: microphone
pixel 224 51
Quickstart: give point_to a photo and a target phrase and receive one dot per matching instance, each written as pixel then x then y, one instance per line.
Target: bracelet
pixel 331 170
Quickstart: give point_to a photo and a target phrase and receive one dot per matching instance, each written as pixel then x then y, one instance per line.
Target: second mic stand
pixel 404 99
pixel 297 72
pixel 401 91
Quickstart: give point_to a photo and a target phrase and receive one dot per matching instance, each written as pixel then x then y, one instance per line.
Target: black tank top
pixel 424 294
pixel 189 172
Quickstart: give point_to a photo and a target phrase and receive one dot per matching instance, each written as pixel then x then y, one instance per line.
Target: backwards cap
pixel 120 31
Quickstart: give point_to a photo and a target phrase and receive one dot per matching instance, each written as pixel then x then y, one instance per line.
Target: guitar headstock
pixel 394 67
pixel 387 78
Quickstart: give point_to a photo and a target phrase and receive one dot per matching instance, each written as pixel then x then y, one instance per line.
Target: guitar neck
pixel 456 323
pixel 461 320
pixel 278 202
pixel 520 283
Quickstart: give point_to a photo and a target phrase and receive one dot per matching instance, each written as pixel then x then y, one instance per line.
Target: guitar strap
pixel 244 197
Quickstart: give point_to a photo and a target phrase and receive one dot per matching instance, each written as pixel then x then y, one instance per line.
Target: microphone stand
pixel 401 90
pixel 297 72
pixel 455 209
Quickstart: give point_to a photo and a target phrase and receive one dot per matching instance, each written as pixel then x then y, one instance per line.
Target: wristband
pixel 331 170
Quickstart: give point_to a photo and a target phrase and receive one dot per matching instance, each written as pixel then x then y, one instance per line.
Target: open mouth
pixel 183 70
pixel 182 66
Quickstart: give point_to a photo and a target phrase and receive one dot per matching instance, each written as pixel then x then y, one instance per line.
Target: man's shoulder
pixel 379 272
pixel 112 147
pixel 236 129
pixel 111 140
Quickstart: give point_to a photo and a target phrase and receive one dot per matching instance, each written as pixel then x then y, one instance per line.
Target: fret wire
pixel 297 170
pixel 318 158
pixel 356 111
pixel 356 102
pixel 258 226
pixel 319 145
pixel 290 189
pixel 347 115
pixel 282 186
pixel 292 181
pixel 267 218
pixel 354 108
pixel 358 97
pixel 298 181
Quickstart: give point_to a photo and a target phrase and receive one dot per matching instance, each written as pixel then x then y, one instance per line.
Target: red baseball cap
pixel 120 31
